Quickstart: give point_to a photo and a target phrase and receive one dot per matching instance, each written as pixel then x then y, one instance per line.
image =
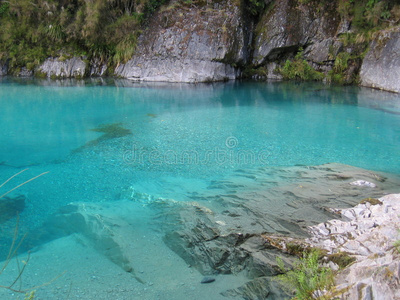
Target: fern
pixel 307 278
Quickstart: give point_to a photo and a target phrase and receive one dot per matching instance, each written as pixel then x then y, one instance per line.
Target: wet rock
pixel 74 67
pixel 363 183
pixel 257 289
pixel 241 224
pixel 381 66
pixel 199 44
pixel 231 235
pixel 208 280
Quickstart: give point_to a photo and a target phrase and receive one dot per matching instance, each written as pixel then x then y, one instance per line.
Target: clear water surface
pixel 181 137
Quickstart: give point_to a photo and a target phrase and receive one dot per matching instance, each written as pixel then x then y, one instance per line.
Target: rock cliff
pixel 191 44
pixel 201 41
pixel 288 25
pixel 74 67
pixel 381 65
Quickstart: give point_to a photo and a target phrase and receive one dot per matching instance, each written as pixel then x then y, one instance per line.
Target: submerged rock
pixel 250 204
pixel 363 183
pixel 381 66
pixel 238 226
pixel 208 280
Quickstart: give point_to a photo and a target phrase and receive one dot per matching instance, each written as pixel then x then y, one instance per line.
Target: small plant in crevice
pixel 308 279
pixel 397 244
pixel 300 69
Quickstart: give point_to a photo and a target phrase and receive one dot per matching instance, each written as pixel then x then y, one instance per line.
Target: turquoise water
pixel 181 138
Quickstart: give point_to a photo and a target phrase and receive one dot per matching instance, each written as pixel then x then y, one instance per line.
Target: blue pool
pixel 106 141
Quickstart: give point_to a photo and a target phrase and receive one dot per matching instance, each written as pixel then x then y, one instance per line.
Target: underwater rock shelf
pixel 223 231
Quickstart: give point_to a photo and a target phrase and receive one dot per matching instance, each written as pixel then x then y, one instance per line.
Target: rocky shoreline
pixel 368 232
pixel 239 226
pixel 220 41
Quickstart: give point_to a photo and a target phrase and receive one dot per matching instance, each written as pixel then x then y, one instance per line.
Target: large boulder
pixel 74 67
pixel 381 65
pixel 196 44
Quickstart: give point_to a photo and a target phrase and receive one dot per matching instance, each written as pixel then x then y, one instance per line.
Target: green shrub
pixel 255 7
pixel 300 69
pixel 31 31
pixel 307 277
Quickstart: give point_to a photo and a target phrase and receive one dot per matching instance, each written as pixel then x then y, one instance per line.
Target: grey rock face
pixel 368 232
pixel 69 68
pixel 289 25
pixel 25 72
pixel 97 68
pixel 381 65
pixel 190 45
pixel 3 68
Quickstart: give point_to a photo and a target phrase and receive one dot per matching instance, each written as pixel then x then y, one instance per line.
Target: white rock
pixel 363 183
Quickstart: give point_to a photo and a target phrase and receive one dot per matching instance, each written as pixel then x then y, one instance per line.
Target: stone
pixel 207 280
pixel 242 224
pixel 97 68
pixel 201 44
pixel 257 289
pixel 363 183
pixel 381 66
pixel 74 67
pixel 25 72
pixel 375 274
pixel 289 25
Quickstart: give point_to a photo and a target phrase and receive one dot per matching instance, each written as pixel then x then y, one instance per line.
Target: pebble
pixel 207 280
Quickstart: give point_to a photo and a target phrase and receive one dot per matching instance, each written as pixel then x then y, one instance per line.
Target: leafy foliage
pixel 300 69
pixel 367 14
pixel 308 278
pixel 32 30
pixel 255 7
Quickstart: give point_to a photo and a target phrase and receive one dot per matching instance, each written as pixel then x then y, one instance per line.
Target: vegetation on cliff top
pixel 32 30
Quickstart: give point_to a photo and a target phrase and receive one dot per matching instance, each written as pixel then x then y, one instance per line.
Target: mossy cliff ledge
pixel 191 44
